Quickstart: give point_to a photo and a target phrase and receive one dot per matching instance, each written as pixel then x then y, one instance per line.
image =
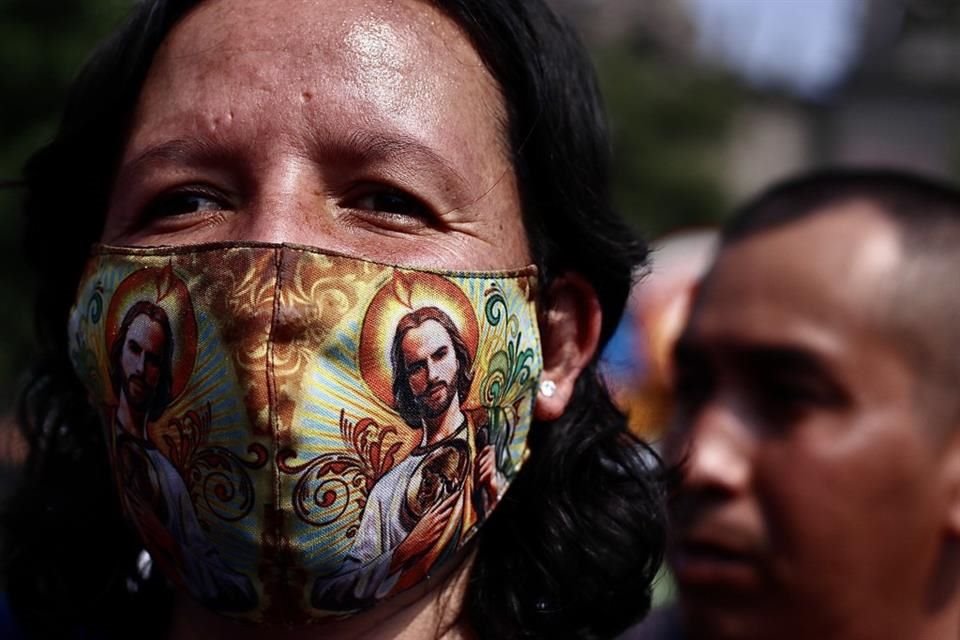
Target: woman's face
pixel 367 128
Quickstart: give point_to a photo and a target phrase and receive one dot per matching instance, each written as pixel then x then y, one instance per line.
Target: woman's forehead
pixel 380 33
pixel 403 66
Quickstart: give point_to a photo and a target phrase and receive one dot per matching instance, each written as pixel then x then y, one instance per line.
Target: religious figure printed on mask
pixel 354 421
pixel 152 488
pixel 421 508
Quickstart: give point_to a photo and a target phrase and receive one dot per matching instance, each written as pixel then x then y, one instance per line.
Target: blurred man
pixel 818 422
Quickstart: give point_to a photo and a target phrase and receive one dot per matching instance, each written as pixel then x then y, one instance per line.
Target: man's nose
pixel 432 373
pixel 718 450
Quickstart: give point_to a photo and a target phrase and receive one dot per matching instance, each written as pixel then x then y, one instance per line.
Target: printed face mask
pixel 296 434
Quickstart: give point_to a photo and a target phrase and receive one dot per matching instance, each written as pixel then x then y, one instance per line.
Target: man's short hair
pixel 920 206
pixel 403 398
pixel 161 395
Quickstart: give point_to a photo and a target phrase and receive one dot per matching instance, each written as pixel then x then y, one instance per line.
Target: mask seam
pixel 171 250
pixel 272 414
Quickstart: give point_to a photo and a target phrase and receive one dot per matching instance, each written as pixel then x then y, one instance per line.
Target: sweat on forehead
pixel 389 55
pixel 334 29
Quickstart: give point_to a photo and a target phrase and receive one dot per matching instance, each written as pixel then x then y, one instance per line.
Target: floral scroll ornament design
pixel 329 483
pixel 81 353
pixel 508 377
pixel 215 476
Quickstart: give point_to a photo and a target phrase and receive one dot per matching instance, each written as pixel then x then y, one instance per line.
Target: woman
pixel 441 147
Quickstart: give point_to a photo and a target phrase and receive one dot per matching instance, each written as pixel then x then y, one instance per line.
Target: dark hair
pixel 403 399
pixel 161 394
pixel 574 545
pixel 915 203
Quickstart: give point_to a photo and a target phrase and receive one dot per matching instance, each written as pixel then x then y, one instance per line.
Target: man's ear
pixel 570 333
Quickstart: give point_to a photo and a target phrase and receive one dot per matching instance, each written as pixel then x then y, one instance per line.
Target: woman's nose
pixel 291 205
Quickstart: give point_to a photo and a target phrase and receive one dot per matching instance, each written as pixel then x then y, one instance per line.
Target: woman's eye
pixel 178 203
pixel 390 201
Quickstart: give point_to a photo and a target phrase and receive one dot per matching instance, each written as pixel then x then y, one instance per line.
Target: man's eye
pixel 416 367
pixel 178 203
pixel 782 403
pixel 797 392
pixel 692 386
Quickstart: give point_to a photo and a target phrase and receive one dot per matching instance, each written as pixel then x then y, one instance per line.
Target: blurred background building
pixel 709 101
pixel 724 96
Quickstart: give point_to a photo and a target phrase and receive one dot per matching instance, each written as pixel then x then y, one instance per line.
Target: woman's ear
pixel 570 333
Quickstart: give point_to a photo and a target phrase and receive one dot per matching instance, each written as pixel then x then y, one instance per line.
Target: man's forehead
pixel 146 332
pixel 428 332
pixel 843 234
pixel 143 320
pixel 820 280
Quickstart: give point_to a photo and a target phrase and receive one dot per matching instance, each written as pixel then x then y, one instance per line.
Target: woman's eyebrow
pixel 179 151
pixel 360 146
pixel 375 146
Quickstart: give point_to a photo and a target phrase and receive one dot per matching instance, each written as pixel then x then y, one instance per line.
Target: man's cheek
pixel 417 383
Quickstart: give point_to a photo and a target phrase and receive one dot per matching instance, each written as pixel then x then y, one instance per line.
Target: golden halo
pixel 408 291
pixel 161 287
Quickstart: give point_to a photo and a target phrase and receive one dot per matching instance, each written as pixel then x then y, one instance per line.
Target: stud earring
pixel 548 388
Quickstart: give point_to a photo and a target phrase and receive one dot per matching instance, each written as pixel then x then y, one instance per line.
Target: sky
pixel 803 46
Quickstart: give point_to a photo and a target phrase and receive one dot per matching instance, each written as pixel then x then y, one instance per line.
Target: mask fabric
pixel 296 434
